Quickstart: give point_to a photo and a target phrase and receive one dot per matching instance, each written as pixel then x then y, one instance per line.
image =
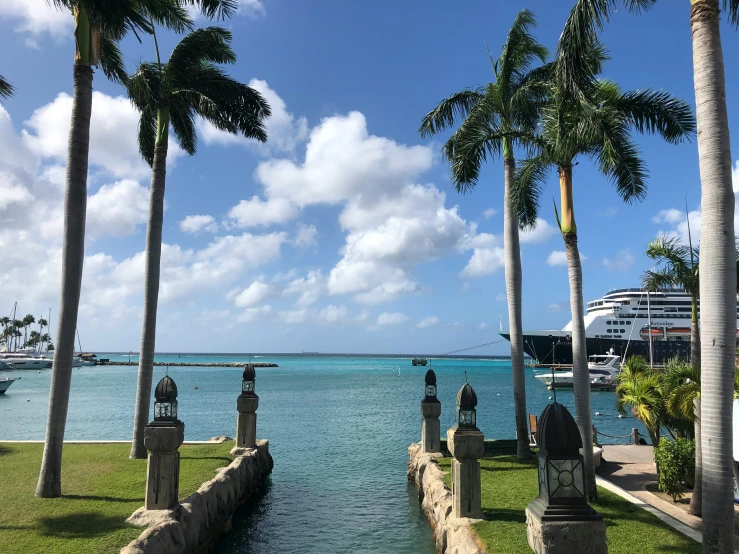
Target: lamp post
pixel 162 438
pixel 467 444
pixel 560 519
pixel 247 404
pixel 431 410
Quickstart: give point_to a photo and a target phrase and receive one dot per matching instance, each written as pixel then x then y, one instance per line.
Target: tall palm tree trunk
pixel 151 298
pixel 581 377
pixel 696 501
pixel 513 289
pixel 73 254
pixel 695 337
pixel 718 279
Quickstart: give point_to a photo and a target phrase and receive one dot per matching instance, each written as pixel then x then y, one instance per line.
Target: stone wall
pixel 203 515
pixel 453 536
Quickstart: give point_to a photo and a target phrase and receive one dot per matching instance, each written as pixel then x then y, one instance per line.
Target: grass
pixel 508 485
pixel 101 487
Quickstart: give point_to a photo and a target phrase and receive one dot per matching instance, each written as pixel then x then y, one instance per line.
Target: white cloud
pixel 310 288
pixel 484 261
pixel 284 131
pixel 36 17
pixel 252 296
pixel 325 316
pixel 490 212
pixel 668 216
pixel 196 223
pixel 608 213
pixel 332 314
pixel 252 314
pixel 621 262
pixel 113 132
pixel 427 322
pixel 306 236
pixel 251 8
pixel 542 232
pixel 117 209
pixel 557 307
pixel 391 318
pixel 482 326
pixel 557 257
pixel 255 212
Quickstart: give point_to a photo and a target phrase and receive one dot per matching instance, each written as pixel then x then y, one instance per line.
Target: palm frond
pixel 520 51
pixel 6 88
pixel 657 111
pixel 111 60
pixel 147 133
pixel 443 116
pixel 618 158
pixel 526 190
pixel 732 8
pixel 209 44
pixel 215 9
pixel 658 279
pixel 144 87
pixel 182 116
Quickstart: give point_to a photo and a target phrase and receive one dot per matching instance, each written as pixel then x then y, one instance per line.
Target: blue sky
pixel 343 233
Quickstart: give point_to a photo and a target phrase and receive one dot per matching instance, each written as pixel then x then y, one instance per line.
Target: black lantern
pixel 165 402
pixel 430 387
pixel 562 494
pixel 466 412
pixel 247 383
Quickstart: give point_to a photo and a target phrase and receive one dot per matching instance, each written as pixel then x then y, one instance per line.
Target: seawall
pixel 201 517
pixel 452 535
pixel 194 364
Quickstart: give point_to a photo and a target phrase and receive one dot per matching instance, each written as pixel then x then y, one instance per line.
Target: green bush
pixel 675 466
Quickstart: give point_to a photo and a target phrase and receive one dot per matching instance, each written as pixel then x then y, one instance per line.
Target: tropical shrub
pixel 675 466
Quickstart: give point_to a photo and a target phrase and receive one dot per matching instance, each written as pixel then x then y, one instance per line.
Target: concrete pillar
pixel 163 466
pixel 431 428
pixel 467 446
pixel 634 436
pixel 246 421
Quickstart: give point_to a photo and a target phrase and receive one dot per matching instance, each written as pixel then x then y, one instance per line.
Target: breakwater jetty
pixel 193 364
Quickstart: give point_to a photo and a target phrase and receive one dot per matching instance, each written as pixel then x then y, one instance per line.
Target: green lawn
pixel 101 487
pixel 508 485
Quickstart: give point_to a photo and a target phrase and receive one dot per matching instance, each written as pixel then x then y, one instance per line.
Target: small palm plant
pixel 190 84
pixel 640 391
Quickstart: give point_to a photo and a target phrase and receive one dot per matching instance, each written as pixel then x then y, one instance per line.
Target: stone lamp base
pixel 565 537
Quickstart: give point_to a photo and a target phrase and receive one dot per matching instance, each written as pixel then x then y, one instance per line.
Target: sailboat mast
pixel 12 326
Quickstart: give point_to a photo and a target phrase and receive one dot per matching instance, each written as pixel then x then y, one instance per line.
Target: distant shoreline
pixel 314 355
pixel 194 364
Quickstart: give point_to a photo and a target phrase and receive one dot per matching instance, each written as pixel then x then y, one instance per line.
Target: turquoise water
pixel 339 429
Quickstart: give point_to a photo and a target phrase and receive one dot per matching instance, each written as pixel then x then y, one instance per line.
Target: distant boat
pixel 5 383
pixel 419 361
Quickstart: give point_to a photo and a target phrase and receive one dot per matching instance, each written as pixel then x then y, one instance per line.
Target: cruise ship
pixel 621 322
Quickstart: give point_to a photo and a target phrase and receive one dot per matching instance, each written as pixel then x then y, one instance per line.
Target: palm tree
pixel 41 324
pixel 496 119
pixel 640 390
pixel 27 322
pixel 16 325
pixel 99 25
pixel 718 327
pixel 598 125
pixel 190 84
pixel 6 89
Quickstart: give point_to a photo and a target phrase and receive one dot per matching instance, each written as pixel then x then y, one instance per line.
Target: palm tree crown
pixel 6 89
pixel 191 84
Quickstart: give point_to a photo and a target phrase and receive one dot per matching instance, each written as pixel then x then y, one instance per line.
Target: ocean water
pixel 339 429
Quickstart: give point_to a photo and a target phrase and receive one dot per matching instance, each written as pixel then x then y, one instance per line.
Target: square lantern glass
pixel 165 411
pixel 431 390
pixel 467 418
pixel 247 386
pixel 565 479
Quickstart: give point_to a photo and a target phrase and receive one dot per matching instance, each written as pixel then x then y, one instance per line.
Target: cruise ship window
pixel 608 323
pixel 628 323
pixel 623 330
pixel 609 330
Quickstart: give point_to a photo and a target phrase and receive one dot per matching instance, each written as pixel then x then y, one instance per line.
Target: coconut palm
pixel 599 126
pixel 718 294
pixel 99 25
pixel 6 89
pixel 27 322
pixel 41 324
pixel 496 118
pixel 190 84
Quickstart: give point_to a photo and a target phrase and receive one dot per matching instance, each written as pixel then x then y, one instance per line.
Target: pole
pixel 649 326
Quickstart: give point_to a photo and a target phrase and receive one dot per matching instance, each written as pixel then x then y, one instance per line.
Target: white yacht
pixel 24 360
pixel 5 383
pixel 628 321
pixel 602 368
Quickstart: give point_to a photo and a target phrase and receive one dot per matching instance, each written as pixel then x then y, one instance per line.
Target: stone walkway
pixel 631 468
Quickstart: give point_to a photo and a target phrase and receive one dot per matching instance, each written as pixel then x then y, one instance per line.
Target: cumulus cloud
pixel 484 261
pixel 36 17
pixel 391 318
pixel 308 288
pixel 621 262
pixel 252 296
pixel 284 131
pixel 490 212
pixel 559 258
pixel 427 322
pixel 196 223
pixel 542 232
pixel 113 132
pixel 117 209
pixel 258 212
pixel 306 236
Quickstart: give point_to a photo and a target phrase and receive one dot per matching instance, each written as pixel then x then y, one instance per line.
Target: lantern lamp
pixel 247 382
pixel 430 386
pixel 165 402
pixel 466 408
